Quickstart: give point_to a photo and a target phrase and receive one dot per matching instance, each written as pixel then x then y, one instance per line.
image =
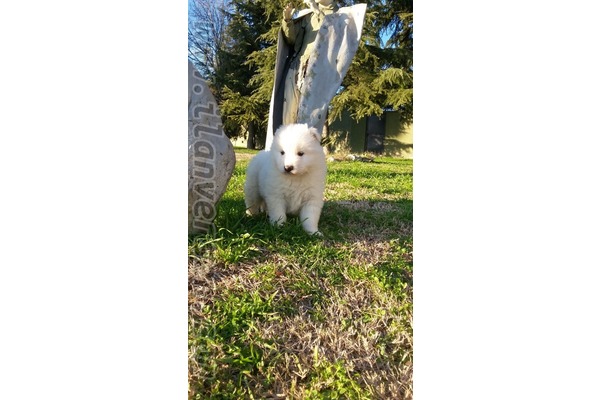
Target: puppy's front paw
pixel 278 220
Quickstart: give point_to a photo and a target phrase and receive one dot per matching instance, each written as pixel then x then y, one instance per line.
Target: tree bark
pixel 250 142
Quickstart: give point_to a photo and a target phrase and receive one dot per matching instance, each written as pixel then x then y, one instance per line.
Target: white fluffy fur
pixel 289 178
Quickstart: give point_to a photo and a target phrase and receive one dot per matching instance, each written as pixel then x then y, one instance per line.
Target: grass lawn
pixel 274 313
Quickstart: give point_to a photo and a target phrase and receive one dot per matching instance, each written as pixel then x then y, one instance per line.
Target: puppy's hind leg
pixel 254 203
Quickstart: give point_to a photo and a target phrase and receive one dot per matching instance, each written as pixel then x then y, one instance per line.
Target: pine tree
pixel 381 75
pixel 242 107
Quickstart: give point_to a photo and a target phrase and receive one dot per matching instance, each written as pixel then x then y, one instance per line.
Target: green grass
pixel 275 313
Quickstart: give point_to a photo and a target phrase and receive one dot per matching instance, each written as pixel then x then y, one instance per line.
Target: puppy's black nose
pixel 288 168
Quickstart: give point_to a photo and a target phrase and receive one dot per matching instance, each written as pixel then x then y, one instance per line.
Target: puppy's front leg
pixel 276 210
pixel 309 215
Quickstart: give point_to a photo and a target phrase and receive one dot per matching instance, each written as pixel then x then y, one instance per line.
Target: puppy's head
pixel 296 148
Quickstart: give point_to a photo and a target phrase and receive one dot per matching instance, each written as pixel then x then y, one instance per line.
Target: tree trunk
pixel 325 136
pixel 250 141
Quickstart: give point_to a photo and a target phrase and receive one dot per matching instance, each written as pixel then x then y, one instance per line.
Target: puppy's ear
pixel 281 127
pixel 315 133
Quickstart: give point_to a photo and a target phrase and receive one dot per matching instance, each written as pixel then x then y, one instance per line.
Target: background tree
pixel 379 78
pixel 381 75
pixel 243 112
pixel 206 34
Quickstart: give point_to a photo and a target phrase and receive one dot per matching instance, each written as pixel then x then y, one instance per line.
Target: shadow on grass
pixel 345 220
pixel 340 220
pixel 368 174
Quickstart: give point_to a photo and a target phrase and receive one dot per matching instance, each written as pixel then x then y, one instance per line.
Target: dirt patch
pixel 380 206
pixel 243 156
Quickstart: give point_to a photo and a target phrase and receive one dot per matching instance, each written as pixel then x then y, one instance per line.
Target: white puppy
pixel 289 178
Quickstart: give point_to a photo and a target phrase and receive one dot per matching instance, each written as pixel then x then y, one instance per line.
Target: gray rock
pixel 211 158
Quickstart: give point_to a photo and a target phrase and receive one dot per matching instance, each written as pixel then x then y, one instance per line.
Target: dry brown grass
pixel 326 318
pixel 354 324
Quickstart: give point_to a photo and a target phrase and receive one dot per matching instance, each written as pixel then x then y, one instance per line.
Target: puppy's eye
pixel 282 152
pixel 300 153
